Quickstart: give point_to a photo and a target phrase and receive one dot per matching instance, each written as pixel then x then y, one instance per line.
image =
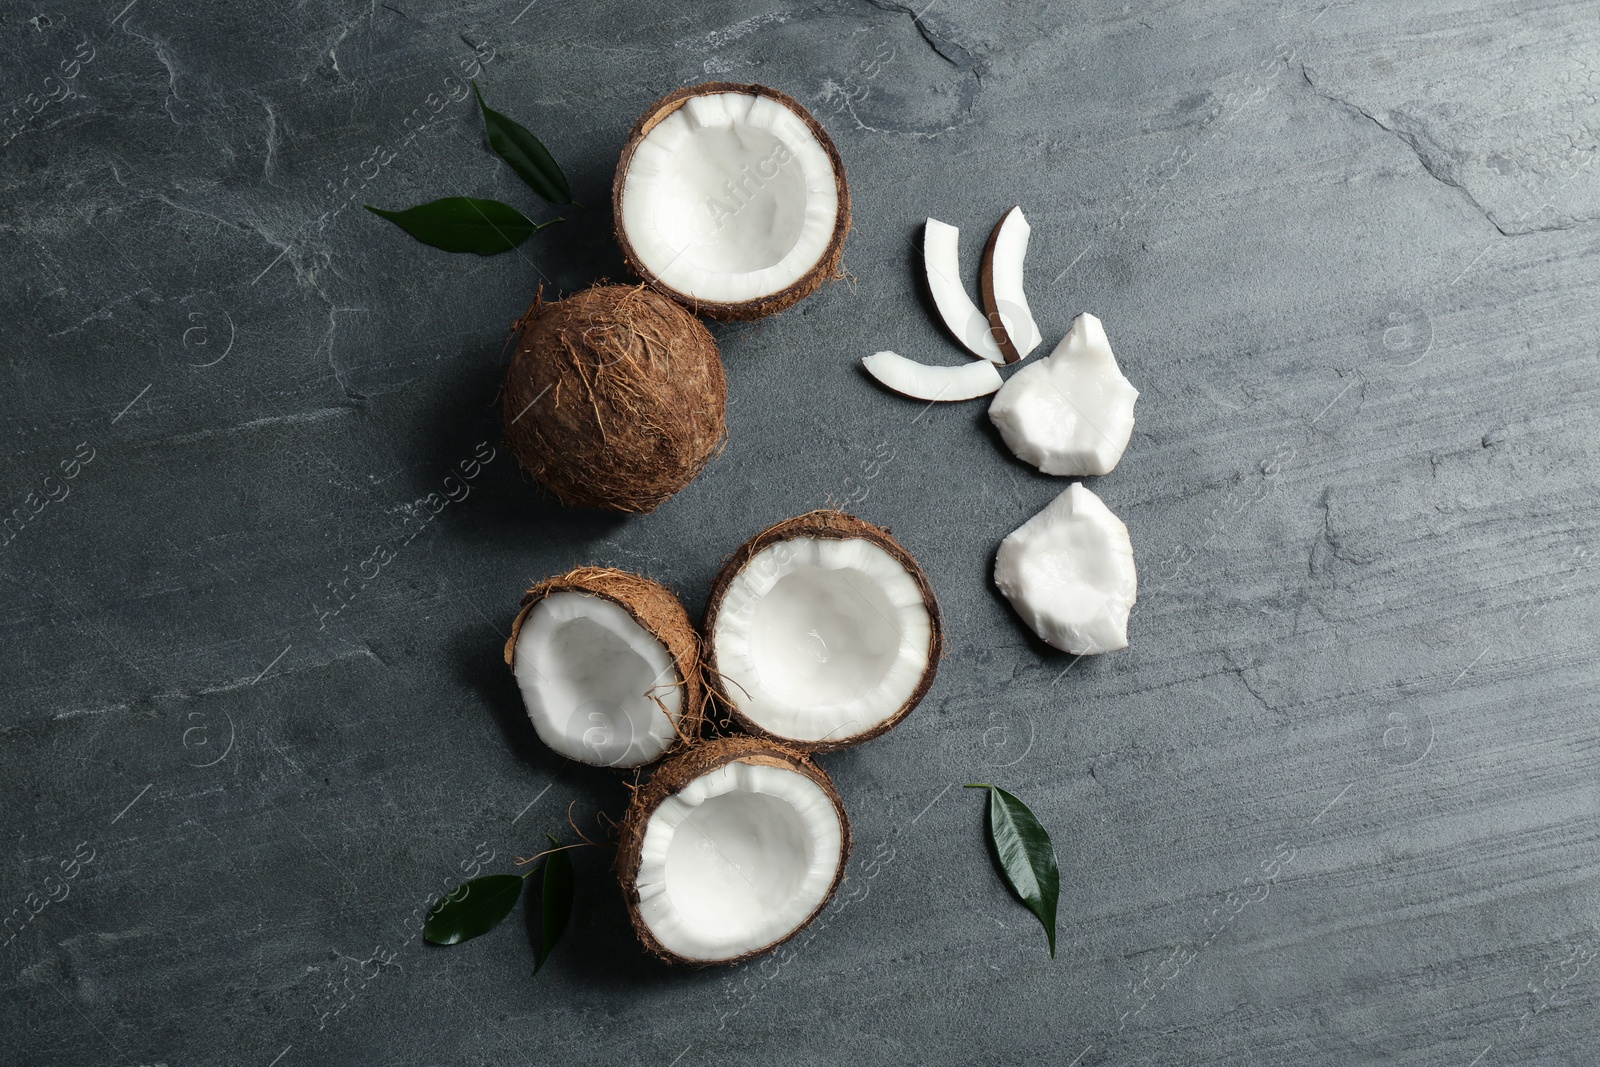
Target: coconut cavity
pixel 731 849
pixel 608 666
pixel 731 199
pixel 615 398
pixel 822 632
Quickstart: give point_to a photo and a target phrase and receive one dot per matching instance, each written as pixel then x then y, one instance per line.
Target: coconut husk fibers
pixel 694 762
pixel 826 267
pixel 819 524
pixel 655 608
pixel 615 398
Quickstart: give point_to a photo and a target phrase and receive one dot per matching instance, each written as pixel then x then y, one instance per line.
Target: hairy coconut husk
pixel 654 607
pixel 826 268
pixel 837 525
pixel 672 776
pixel 615 398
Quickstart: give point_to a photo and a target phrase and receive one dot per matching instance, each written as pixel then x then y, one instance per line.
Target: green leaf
pixel 464 224
pixel 472 909
pixel 558 892
pixel 1025 856
pixel 526 153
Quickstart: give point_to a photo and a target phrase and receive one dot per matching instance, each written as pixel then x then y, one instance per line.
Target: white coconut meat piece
pixel 1003 295
pixel 924 382
pixel 1071 412
pixel 1069 573
pixel 737 860
pixel 599 687
pixel 822 640
pixel 730 198
pixel 941 255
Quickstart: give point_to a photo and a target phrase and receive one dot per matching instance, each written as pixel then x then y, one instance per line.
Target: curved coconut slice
pixel 730 850
pixel 608 666
pixel 1071 412
pixel 822 632
pixel 923 382
pixel 941 255
pixel 1010 319
pixel 1069 573
pixel 731 199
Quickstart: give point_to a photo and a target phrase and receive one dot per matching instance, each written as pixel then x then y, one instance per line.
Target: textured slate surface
pixel 1347 252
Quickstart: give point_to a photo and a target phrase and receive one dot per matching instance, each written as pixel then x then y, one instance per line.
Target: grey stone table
pixel 1335 805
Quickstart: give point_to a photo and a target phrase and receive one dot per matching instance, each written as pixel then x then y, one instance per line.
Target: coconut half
pixel 1010 318
pixel 608 665
pixel 924 382
pixel 822 632
pixel 732 200
pixel 730 849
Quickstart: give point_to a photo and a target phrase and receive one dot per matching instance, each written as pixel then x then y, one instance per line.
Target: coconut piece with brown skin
pixel 730 849
pixel 615 398
pixel 821 632
pixel 731 199
pixel 608 665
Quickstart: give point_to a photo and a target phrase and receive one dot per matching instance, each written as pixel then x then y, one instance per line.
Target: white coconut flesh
pixel 730 198
pixel 1069 573
pixel 941 255
pixel 1071 412
pixel 1009 248
pixel 821 639
pixel 737 860
pixel 599 686
pixel 924 382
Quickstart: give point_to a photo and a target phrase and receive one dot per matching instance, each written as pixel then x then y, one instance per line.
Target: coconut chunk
pixel 731 199
pixel 1071 412
pixel 1010 318
pixel 923 382
pixel 730 850
pixel 822 632
pixel 608 667
pixel 1069 573
pixel 941 256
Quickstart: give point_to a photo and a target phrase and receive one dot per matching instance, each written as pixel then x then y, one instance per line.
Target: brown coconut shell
pixel 839 526
pixel 615 398
pixel 826 267
pixel 654 607
pixel 673 776
pixel 991 306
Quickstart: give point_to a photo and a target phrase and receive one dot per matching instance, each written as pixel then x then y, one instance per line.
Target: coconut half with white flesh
pixel 1010 318
pixel 1069 573
pixel 730 849
pixel 821 632
pixel 608 665
pixel 732 200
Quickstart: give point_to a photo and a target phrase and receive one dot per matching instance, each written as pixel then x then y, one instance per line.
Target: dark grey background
pixel 1347 252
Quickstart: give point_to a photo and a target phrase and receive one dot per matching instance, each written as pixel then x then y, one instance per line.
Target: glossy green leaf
pixel 557 893
pixel 464 224
pixel 1025 856
pixel 472 909
pixel 527 155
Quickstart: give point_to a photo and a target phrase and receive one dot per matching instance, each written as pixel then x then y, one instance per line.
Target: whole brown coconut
pixel 654 607
pixel 825 268
pixel 678 772
pixel 615 398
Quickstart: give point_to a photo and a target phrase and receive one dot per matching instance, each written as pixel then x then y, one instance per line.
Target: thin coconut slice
pixel 730 850
pixel 941 255
pixel 608 665
pixel 731 199
pixel 1071 412
pixel 1010 318
pixel 822 632
pixel 1069 573
pixel 924 382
